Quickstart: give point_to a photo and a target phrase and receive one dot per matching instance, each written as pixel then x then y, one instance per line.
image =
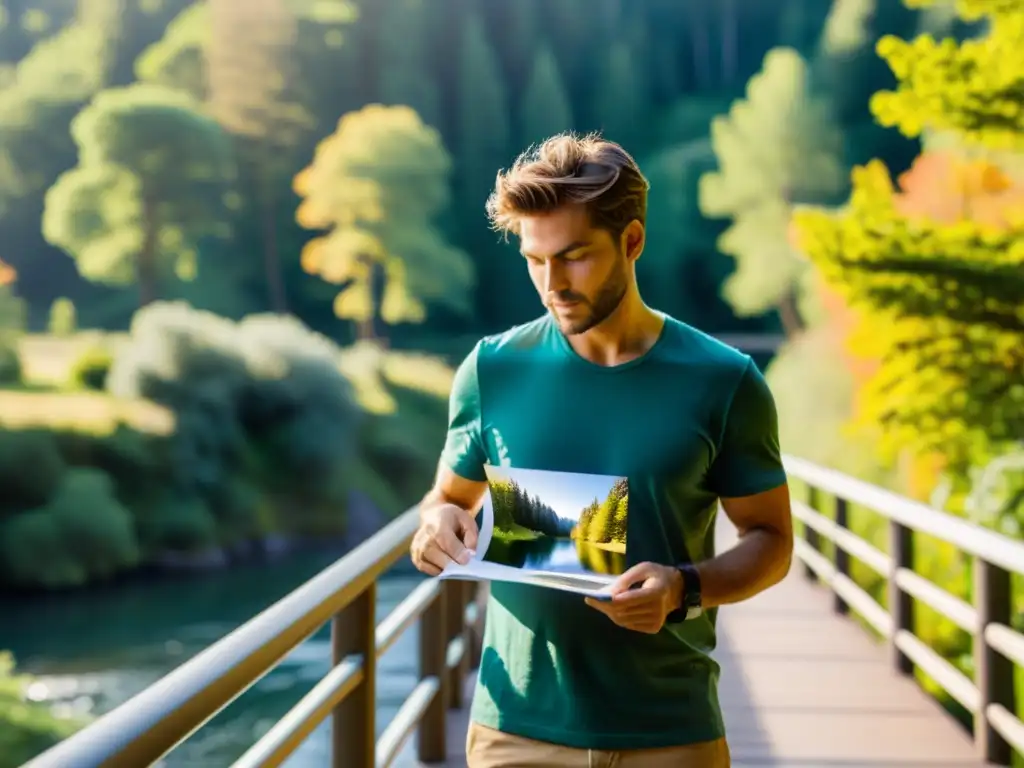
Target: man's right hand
pixel 447 534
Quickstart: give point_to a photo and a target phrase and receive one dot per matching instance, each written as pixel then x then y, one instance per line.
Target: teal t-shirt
pixel 690 421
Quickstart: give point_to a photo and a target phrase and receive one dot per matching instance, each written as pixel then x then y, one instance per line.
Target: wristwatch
pixel 690 606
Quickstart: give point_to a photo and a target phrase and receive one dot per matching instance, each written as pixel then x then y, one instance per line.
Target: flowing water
pixel 94 650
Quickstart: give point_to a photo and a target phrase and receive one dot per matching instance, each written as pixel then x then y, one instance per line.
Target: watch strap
pixel 691 602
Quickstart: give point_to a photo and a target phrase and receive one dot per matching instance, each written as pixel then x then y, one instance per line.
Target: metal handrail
pixel 143 729
pixel 989 695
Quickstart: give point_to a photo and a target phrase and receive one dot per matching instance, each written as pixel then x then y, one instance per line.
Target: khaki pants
pixel 488 748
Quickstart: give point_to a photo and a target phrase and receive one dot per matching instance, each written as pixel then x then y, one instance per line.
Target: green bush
pixel 90 369
pixel 262 412
pixel 82 534
pixel 26 728
pixel 10 365
pixel 63 321
pixel 31 468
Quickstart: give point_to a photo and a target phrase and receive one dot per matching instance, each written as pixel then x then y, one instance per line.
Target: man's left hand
pixel 658 591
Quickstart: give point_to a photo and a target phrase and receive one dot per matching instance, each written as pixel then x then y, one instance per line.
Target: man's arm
pixel 448 530
pixel 763 554
pixel 749 478
pixel 450 488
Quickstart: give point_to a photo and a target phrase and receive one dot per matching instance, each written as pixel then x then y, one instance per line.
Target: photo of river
pixel 559 522
pixel 90 652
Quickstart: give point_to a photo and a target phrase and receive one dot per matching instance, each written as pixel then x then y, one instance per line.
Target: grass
pixel 516 534
pixel 93 412
pixel 48 359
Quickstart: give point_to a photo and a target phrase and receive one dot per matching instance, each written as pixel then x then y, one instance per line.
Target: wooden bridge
pixel 816 673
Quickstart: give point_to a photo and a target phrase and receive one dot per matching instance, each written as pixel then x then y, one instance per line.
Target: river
pixel 94 650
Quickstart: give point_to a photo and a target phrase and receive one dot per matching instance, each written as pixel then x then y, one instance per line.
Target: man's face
pixel 580 273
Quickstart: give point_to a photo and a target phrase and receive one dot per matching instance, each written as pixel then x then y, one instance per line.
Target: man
pixel 603 384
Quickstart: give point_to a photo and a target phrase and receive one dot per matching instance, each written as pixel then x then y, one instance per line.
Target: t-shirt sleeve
pixel 463 451
pixel 749 459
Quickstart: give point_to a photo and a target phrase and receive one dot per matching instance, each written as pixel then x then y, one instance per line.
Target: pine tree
pixel 545 108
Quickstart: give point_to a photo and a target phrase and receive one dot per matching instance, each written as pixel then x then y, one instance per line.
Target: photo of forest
pixel 559 522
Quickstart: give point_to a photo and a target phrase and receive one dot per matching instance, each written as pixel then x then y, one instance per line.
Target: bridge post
pixel 810 535
pixel 901 605
pixel 455 609
pixel 842 561
pixel 431 737
pixel 480 595
pixel 353 729
pixel 993 672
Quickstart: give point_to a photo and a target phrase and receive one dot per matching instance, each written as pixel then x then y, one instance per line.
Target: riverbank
pixel 90 652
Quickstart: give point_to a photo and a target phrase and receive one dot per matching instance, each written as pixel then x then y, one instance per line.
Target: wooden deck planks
pixel 804 688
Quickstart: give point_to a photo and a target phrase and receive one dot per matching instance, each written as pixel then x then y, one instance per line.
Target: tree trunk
pixel 699 40
pixel 145 264
pixel 789 314
pixel 276 293
pixel 730 44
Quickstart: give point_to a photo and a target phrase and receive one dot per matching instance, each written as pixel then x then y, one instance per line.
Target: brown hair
pixel 567 169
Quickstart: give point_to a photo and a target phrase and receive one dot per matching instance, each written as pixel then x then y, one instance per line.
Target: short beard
pixel 607 300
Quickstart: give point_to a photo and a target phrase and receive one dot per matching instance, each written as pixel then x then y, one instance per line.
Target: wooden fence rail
pixel 151 724
pixel 989 695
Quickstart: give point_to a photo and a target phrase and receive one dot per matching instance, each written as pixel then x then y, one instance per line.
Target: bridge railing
pixel 989 694
pixel 145 728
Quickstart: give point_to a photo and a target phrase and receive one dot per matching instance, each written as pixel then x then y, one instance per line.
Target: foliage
pixel 975 88
pixel 604 522
pixel 260 402
pixel 90 369
pixel 26 727
pixel 82 534
pixel 952 295
pixel 378 183
pixel 151 183
pixel 932 263
pixel 62 317
pixel 50 84
pixel 12 325
pixel 775 148
pixel 515 509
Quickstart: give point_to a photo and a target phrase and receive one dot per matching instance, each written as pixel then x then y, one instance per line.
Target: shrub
pixel 62 317
pixel 90 369
pixel 262 412
pixel 82 534
pixel 26 728
pixel 31 468
pixel 10 365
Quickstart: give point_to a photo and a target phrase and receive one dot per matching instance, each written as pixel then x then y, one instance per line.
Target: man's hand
pixel 447 534
pixel 658 591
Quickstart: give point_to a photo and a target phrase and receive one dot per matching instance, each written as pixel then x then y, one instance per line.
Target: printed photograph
pixel 559 522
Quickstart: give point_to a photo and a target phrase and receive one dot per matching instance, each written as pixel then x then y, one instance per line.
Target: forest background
pixel 243 245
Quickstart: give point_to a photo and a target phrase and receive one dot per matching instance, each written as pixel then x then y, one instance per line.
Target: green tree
pixel 12 326
pixel 256 95
pixel 151 183
pixel 936 260
pixel 62 317
pixel 545 108
pixel 178 59
pixel 378 183
pixel 405 77
pixel 976 89
pixel 776 148
pixel 50 85
pixel 484 146
pixel 620 98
